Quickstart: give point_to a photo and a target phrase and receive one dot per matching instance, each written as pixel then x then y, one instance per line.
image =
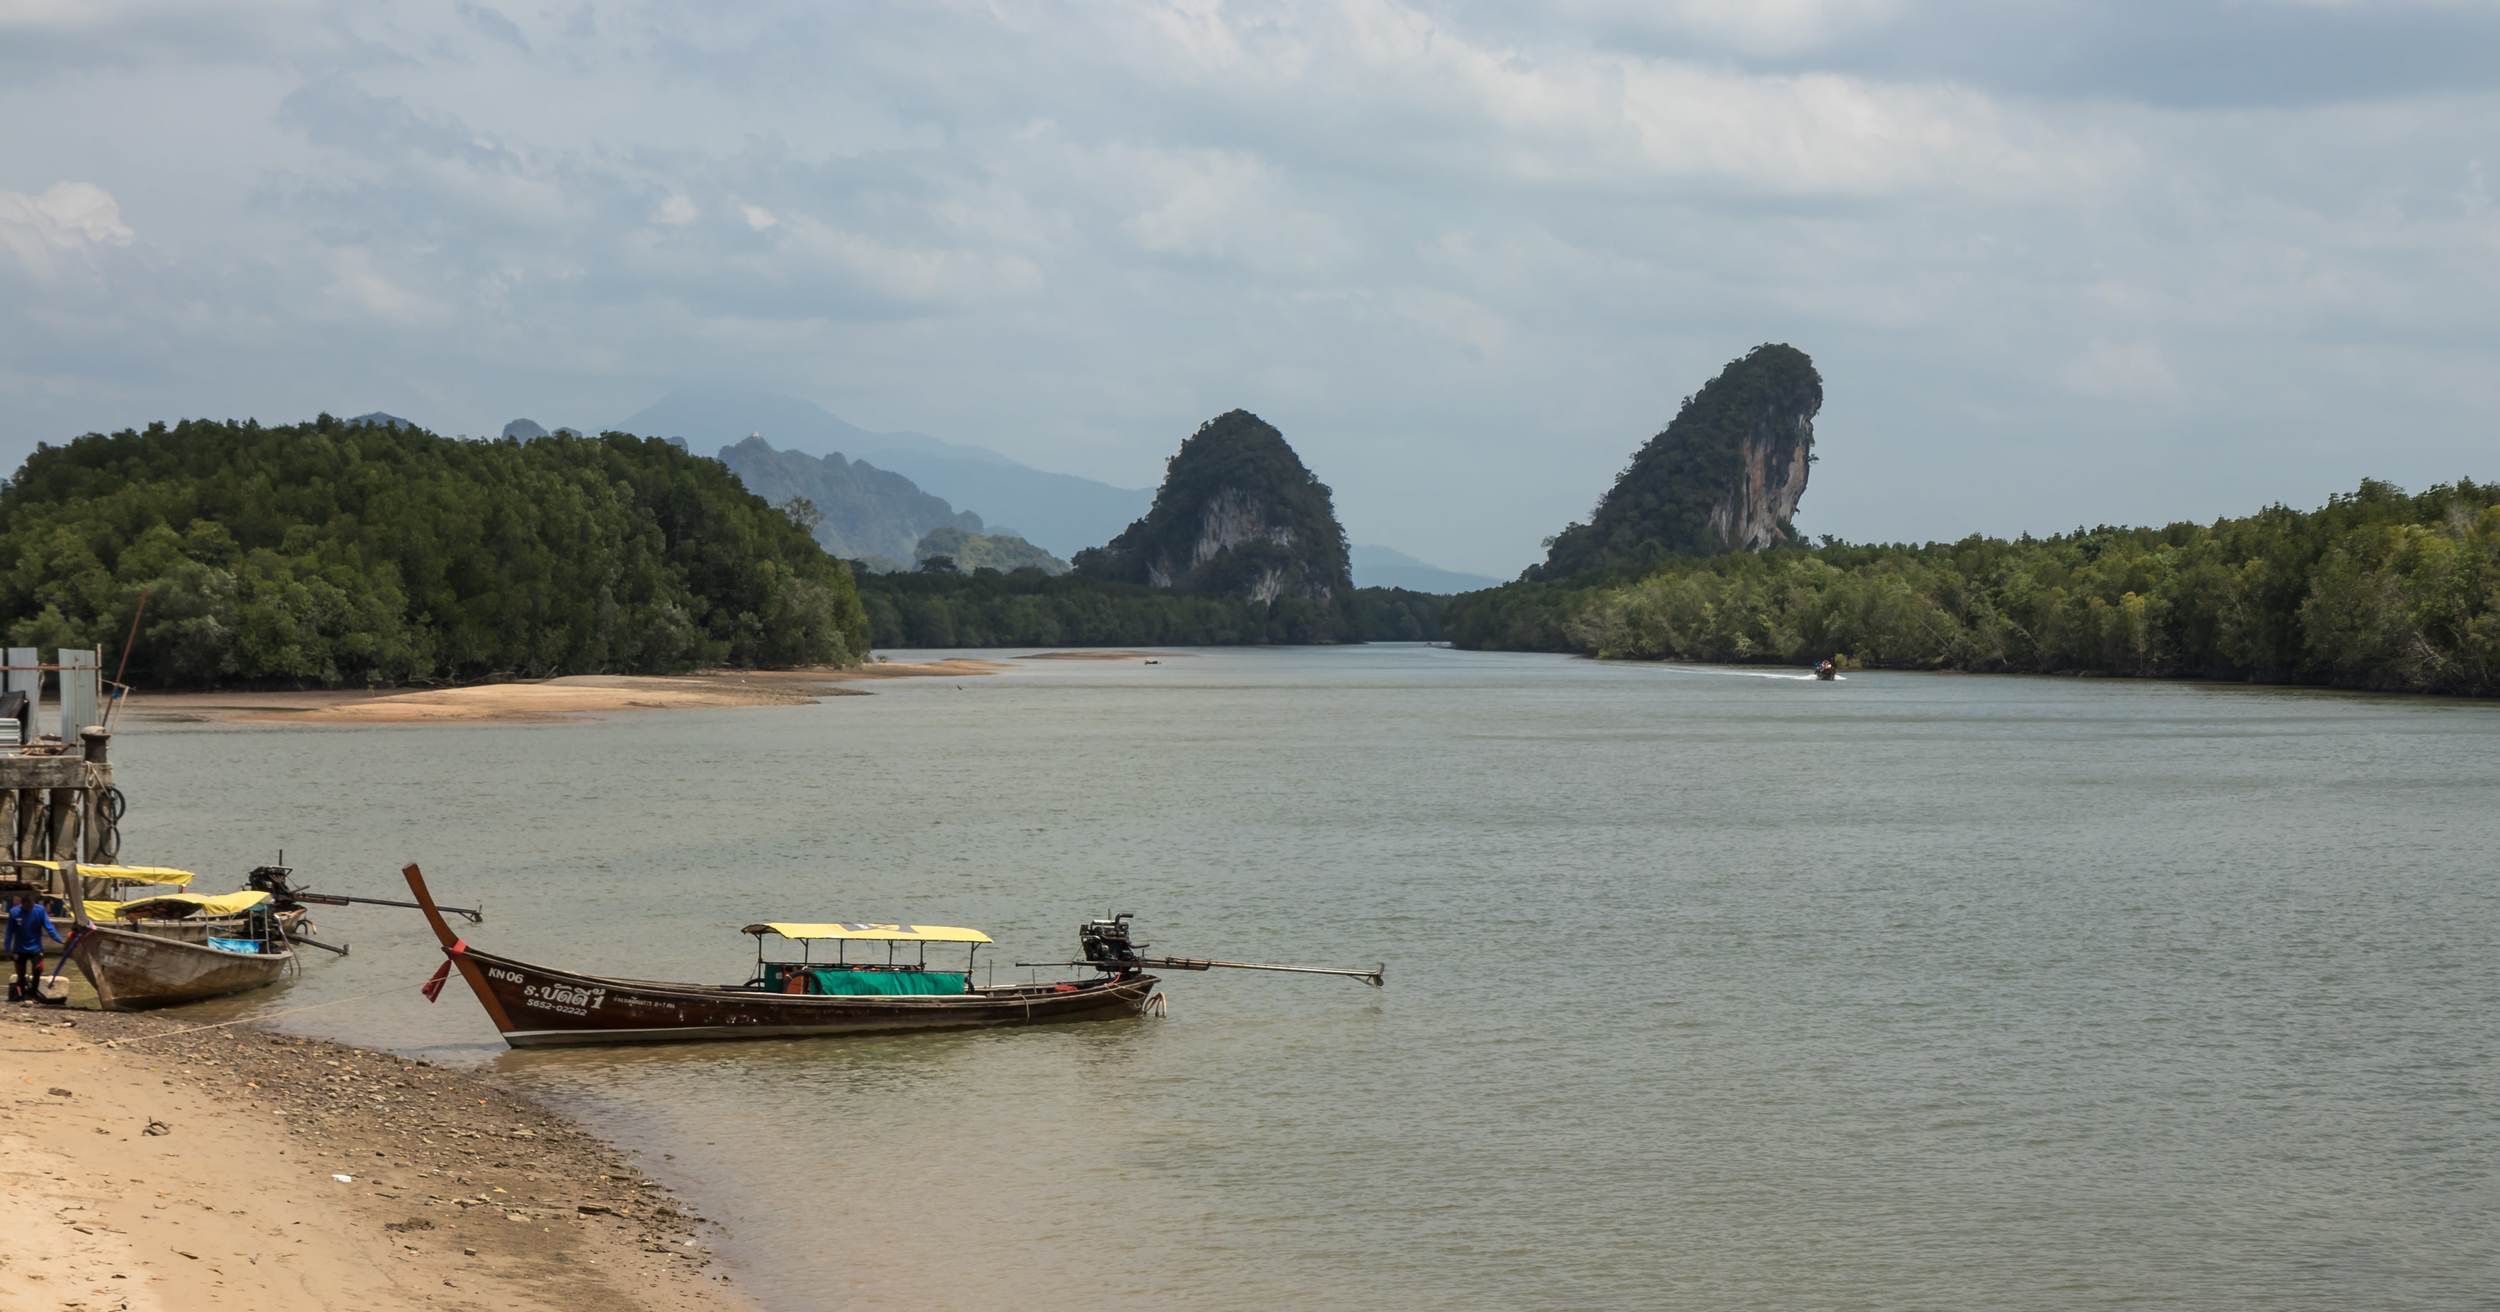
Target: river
pixel 1703 990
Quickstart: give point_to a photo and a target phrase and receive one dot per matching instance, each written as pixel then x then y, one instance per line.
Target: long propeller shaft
pixel 342 900
pixel 1372 977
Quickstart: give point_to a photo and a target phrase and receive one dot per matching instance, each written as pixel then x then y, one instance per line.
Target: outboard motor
pixel 273 881
pixel 1107 945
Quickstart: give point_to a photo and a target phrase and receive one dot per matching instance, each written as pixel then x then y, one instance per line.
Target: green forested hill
pixel 2374 590
pixel 1239 515
pixel 1726 474
pixel 338 554
pixel 999 551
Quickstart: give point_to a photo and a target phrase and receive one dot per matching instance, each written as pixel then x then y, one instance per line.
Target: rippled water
pixel 1705 991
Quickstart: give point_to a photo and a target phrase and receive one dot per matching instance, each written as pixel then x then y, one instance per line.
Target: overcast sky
pixel 2059 263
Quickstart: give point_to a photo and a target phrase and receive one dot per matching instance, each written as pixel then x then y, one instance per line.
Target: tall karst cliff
pixel 1238 515
pixel 1726 475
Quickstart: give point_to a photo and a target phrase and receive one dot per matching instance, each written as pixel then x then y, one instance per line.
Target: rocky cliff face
pixel 1726 475
pixel 1772 465
pixel 1238 515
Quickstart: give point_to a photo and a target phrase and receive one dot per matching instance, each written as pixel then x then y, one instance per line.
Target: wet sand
pixel 149 1169
pixel 571 697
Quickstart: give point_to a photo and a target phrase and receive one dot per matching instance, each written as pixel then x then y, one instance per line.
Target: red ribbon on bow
pixel 433 989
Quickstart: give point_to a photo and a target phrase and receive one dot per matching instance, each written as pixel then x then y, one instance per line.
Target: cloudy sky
pixel 2060 261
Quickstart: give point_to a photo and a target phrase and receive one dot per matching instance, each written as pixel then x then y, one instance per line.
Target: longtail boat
pixel 195 917
pixel 131 967
pixel 187 917
pixel 540 1006
pixel 130 970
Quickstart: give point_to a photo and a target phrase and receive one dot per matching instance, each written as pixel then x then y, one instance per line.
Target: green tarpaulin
pixel 885 983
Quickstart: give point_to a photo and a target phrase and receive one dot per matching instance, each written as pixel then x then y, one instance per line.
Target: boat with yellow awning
pixel 859 991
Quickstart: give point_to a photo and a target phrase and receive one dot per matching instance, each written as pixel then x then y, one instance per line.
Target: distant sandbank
pixel 571 697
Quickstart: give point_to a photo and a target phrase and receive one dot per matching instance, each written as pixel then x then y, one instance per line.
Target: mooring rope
pixel 247 1020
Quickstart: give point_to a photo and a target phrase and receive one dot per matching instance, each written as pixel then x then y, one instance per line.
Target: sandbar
pixel 540 700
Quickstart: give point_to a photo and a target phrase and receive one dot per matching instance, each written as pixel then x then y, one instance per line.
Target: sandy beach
pixel 149 1168
pixel 543 700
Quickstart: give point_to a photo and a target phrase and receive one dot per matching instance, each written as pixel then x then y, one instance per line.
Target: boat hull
pixel 535 1007
pixel 132 971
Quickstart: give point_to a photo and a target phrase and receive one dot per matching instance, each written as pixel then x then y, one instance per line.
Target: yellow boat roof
pixel 885 933
pixel 183 906
pixel 123 874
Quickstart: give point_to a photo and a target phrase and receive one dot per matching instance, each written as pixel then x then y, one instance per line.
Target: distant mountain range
pixel 879 493
pixel 1060 513
pixel 1387 567
pixel 861 511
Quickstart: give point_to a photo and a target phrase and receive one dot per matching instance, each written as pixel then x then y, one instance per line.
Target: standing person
pixel 29 925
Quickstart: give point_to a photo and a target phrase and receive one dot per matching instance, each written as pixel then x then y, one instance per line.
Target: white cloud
pixel 362 289
pixel 1222 206
pixel 1523 230
pixel 60 227
pixel 2121 371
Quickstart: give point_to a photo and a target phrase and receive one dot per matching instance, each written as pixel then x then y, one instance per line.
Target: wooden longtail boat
pixel 130 970
pixel 190 917
pixel 539 1006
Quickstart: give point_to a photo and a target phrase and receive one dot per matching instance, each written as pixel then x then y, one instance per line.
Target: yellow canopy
pixel 166 875
pixel 889 933
pixel 180 906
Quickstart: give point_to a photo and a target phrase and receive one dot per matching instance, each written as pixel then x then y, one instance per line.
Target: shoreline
pixel 149 1165
pixel 572 697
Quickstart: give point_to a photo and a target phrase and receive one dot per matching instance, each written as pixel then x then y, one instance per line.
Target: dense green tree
pixel 1028 608
pixel 335 554
pixel 2373 590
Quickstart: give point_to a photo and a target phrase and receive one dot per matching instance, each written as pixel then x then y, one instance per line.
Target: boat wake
pixel 1752 674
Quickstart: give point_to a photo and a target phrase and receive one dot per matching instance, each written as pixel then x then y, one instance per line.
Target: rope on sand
pixel 248 1020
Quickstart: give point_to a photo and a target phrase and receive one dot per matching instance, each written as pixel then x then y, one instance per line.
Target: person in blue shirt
pixel 29 925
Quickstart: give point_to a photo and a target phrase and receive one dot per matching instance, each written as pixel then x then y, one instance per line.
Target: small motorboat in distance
pixel 1827 671
pixel 539 1006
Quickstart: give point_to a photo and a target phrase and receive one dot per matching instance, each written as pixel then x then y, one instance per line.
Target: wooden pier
pixel 57 800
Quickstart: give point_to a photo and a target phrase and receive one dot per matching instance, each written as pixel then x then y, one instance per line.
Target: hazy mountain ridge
pixel 1377 566
pixel 1061 513
pixel 861 510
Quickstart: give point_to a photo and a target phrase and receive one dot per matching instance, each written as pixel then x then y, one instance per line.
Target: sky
pixel 2060 262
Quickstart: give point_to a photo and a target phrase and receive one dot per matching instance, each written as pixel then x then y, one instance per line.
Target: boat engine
pixel 273 881
pixel 1107 945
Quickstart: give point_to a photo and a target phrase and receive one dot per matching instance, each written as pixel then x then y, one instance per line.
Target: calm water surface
pixel 1706 990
